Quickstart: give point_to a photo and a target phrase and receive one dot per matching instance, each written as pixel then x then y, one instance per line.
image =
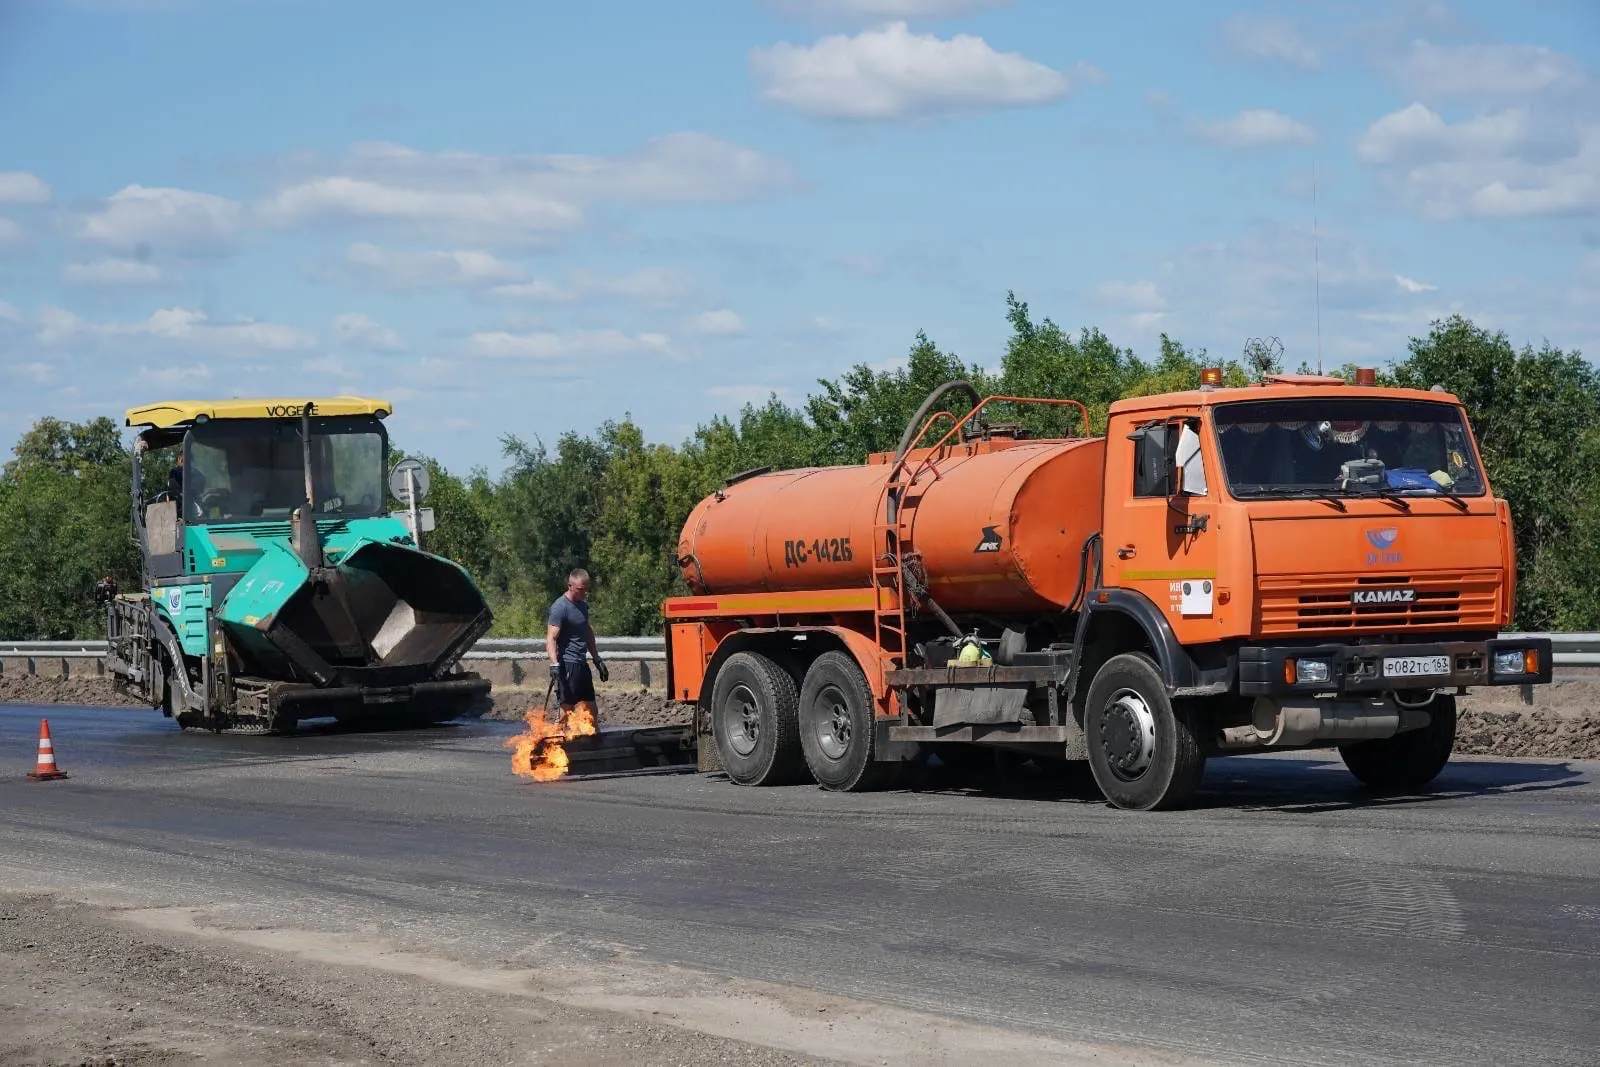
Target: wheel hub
pixel 1128 735
pixel 743 719
pixel 833 725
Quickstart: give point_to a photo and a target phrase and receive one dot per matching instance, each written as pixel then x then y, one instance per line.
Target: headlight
pixel 1516 661
pixel 1311 671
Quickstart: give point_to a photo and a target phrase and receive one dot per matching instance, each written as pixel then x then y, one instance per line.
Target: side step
pixel 619 750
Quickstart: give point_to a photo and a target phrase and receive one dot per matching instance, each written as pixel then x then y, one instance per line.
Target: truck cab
pixel 1312 562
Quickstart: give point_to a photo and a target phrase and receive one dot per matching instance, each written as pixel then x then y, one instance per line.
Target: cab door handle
pixel 1127 552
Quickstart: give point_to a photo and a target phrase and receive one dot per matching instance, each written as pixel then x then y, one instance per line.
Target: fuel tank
pixel 999 525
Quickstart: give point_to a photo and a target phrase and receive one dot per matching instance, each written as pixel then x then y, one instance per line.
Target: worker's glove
pixel 600 669
pixel 555 670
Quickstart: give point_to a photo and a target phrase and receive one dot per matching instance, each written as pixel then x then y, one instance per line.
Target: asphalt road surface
pixel 1286 919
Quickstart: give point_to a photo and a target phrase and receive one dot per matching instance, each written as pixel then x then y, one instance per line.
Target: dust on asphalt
pixel 76 986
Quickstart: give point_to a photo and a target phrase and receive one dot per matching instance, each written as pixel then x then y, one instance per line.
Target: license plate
pixel 1414 666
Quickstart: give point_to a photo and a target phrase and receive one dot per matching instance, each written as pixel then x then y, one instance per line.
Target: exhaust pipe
pixel 1294 724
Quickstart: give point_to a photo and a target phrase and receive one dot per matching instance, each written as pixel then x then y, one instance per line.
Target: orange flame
pixel 537 753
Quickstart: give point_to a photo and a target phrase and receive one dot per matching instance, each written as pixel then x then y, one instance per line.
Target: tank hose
pixel 910 435
pixel 1089 543
pixel 928 405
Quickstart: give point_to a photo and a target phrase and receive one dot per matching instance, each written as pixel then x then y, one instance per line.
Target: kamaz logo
pixel 1382 537
pixel 1384 596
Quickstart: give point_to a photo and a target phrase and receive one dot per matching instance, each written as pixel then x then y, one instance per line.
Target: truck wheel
pixel 836 726
pixel 1409 760
pixel 1143 753
pixel 753 721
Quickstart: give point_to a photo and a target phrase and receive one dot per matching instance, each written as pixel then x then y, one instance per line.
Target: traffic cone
pixel 46 769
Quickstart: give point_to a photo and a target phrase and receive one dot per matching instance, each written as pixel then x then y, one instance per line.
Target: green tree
pixel 64 524
pixel 866 410
pixel 1535 414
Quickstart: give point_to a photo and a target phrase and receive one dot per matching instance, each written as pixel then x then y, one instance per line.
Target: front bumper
pixel 1360 669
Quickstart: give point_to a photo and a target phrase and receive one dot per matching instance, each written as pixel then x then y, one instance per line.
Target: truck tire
pixel 753 720
pixel 1142 750
pixel 1410 760
pixel 836 727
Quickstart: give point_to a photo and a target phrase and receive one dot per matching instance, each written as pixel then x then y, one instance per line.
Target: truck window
pixel 254 469
pixel 1346 445
pixel 1152 459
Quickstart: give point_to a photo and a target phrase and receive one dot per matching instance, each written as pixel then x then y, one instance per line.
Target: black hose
pixel 925 410
pixel 1090 542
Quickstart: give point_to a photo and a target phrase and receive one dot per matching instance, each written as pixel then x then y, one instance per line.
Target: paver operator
pixel 568 636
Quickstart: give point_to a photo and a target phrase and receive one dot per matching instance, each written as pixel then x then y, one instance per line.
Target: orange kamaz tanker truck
pixel 1304 563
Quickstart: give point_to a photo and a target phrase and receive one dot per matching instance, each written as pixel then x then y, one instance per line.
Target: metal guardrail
pixel 1571 649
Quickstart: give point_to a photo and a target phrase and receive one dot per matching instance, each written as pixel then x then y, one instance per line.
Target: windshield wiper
pixel 1301 492
pixel 1389 495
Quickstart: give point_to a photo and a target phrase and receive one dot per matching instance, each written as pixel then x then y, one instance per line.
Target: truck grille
pixel 1443 601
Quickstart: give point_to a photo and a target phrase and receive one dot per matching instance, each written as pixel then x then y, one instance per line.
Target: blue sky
pixel 527 218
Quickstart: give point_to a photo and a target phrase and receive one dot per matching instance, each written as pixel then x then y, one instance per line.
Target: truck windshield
pixel 1347 446
pixel 253 470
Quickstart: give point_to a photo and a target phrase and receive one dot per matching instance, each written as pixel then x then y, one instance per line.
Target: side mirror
pixel 1189 470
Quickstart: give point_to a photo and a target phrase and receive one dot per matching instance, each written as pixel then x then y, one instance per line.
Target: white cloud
pixel 720 323
pixel 359 331
pixel 516 199
pixel 1504 164
pixel 11 235
pixel 889 9
pixel 176 326
pixel 892 73
pixel 326 199
pixel 1411 285
pixel 1487 71
pixel 9 312
pixel 1417 133
pixel 1253 128
pixel 20 187
pixel 370 264
pixel 109 271
pixel 551 344
pixel 1270 39
pixel 163 218
pixel 652 285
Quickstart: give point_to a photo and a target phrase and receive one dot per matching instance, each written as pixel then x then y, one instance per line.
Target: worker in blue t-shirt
pixel 568 636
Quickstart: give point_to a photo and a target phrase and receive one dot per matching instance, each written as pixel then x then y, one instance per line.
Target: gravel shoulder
pixel 78 985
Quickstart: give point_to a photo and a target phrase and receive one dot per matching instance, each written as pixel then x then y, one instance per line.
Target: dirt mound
pixel 36 689
pixel 1530 732
pixel 631 707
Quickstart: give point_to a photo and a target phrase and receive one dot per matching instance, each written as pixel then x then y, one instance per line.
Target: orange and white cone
pixel 46 769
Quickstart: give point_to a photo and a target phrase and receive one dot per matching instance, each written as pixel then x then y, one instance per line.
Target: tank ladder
pixel 892 548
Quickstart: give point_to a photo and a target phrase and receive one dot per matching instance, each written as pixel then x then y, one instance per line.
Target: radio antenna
pixel 1316 251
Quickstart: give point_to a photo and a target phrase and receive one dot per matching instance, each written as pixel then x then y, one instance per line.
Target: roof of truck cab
pixel 1291 387
pixel 170 413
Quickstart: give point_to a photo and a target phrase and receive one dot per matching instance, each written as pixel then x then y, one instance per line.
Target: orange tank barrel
pixel 999 529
